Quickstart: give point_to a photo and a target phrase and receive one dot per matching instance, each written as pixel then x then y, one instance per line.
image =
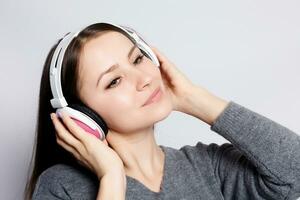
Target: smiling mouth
pixel 155 96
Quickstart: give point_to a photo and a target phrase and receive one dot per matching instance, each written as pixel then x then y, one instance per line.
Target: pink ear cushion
pixel 93 115
pixel 87 128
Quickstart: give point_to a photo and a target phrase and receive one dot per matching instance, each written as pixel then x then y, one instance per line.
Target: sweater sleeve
pixel 263 159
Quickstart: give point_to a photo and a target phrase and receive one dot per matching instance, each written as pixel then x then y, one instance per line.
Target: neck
pixel 140 154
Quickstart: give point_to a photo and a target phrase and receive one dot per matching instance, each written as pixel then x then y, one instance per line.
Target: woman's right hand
pixel 87 149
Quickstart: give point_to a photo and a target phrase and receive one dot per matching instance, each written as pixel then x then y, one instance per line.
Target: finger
pixel 76 130
pixel 161 57
pixel 165 63
pixel 105 141
pixel 87 140
pixel 74 152
pixel 68 148
pixel 64 134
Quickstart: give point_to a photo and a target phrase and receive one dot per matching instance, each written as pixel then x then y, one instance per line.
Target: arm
pixel 264 158
pixel 204 105
pixel 112 186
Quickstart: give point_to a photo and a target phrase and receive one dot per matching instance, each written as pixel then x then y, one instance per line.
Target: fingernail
pixel 51 116
pixel 62 114
pixel 59 114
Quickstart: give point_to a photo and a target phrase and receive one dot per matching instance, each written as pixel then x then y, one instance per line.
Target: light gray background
pixel 245 51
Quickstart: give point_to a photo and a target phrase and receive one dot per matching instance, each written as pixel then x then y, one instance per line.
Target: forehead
pixel 105 50
pixel 101 49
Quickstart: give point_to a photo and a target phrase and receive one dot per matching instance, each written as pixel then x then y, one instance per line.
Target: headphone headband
pixel 59 100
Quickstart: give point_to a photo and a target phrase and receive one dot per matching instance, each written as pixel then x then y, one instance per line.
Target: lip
pixel 152 96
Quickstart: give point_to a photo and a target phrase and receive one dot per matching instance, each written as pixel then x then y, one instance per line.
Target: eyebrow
pixel 114 66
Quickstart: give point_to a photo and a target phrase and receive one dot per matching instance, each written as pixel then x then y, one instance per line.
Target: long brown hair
pixel 46 152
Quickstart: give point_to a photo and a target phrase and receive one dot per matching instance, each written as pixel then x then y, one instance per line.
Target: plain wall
pixel 244 51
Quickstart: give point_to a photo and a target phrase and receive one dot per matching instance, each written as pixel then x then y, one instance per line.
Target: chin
pixel 163 111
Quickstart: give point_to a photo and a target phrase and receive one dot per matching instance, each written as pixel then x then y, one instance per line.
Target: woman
pixel 263 161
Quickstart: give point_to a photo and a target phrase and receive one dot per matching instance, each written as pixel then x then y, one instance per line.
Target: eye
pixel 139 59
pixel 112 83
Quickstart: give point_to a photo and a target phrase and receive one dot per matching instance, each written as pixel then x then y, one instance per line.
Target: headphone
pixel 83 116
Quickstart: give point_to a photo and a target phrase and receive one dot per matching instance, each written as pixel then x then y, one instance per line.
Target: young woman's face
pixel 120 94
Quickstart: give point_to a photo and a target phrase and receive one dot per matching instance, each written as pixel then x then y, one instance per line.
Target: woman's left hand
pixel 179 87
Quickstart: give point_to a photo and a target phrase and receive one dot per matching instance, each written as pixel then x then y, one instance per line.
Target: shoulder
pixel 212 154
pixel 66 180
pixel 200 153
pixel 205 149
pixel 62 172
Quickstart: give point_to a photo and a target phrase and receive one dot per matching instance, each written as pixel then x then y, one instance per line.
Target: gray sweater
pixel 261 162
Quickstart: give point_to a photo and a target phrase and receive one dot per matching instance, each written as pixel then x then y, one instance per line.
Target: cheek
pixel 115 104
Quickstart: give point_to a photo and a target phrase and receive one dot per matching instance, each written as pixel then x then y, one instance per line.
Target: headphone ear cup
pixel 92 114
pixel 88 120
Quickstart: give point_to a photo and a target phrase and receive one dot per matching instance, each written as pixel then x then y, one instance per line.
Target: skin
pixel 131 124
pixel 134 150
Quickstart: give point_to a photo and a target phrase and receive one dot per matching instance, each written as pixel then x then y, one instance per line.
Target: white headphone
pixel 85 117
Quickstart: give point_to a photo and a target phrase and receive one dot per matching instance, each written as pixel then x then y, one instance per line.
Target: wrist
pixel 112 186
pixel 116 179
pixel 204 105
pixel 114 173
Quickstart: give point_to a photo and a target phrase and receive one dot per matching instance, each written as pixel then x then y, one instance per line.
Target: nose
pixel 143 79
